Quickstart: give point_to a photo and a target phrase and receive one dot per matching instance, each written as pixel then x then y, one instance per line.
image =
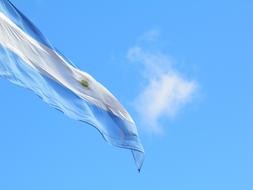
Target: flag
pixel 28 59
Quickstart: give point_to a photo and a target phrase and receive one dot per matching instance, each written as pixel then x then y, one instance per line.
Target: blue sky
pixel 199 134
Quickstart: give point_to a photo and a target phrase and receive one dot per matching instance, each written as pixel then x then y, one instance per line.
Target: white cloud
pixel 165 91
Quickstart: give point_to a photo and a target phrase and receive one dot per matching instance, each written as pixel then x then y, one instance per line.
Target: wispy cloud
pixel 166 91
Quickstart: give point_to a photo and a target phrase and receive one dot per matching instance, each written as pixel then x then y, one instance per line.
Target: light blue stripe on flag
pixel 28 60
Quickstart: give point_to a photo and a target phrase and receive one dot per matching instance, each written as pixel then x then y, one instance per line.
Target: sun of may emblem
pixel 85 83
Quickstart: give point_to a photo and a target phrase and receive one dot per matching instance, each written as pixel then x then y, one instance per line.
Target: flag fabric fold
pixel 29 60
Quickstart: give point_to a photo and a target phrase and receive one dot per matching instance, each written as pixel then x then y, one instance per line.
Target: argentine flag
pixel 28 60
